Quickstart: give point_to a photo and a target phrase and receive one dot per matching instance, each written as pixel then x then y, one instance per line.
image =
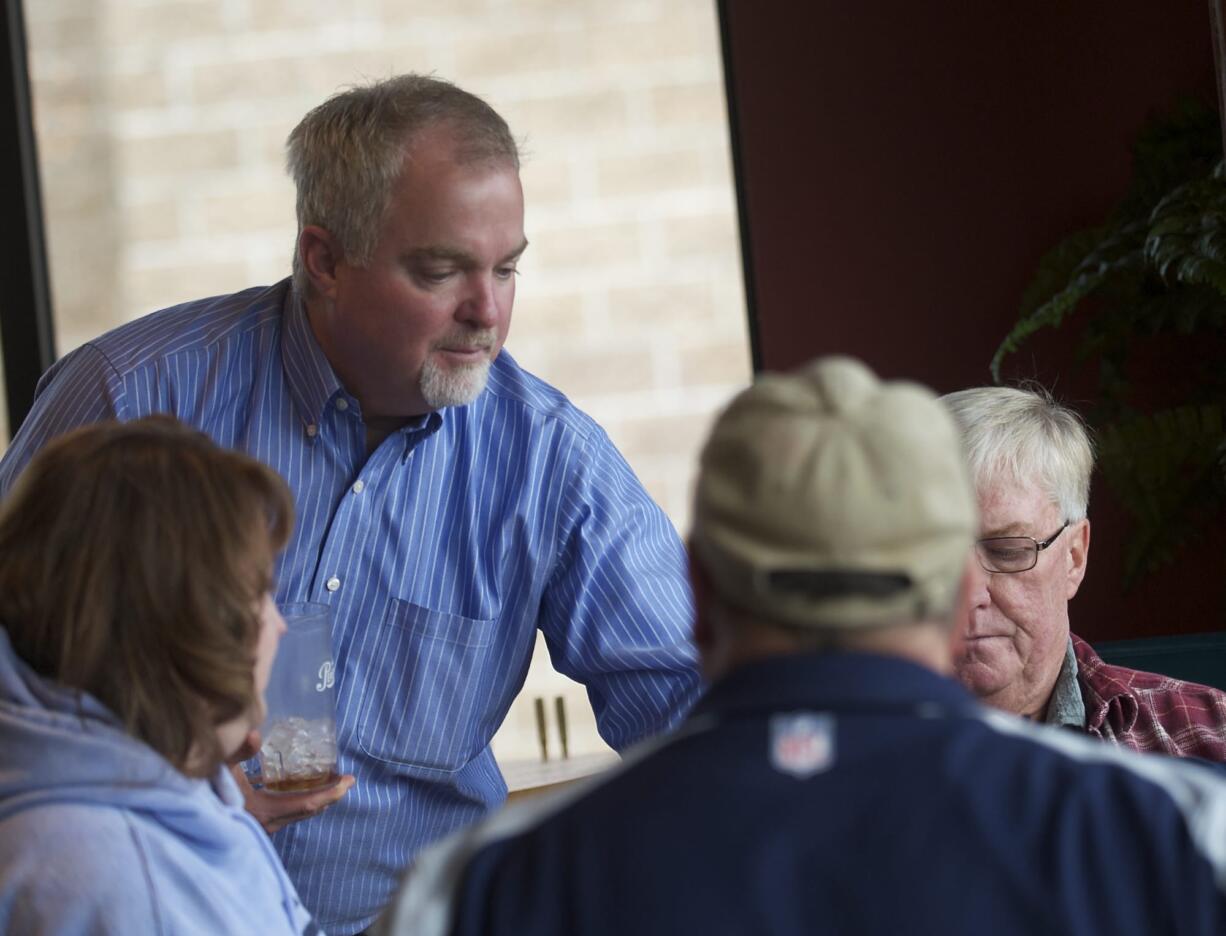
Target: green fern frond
pixel 1057 266
pixel 1171 148
pixel 1186 242
pixel 1119 252
pixel 1156 270
pixel 1131 311
pixel 1165 469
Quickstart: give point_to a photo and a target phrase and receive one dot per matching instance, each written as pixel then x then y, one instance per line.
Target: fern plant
pixel 1152 280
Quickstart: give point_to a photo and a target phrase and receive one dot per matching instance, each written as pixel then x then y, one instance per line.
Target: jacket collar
pixel 834 680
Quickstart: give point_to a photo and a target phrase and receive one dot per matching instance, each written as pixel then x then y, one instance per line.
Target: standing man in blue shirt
pixel 448 502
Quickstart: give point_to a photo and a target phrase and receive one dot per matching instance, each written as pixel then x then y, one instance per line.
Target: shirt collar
pixel 833 681
pixel 1109 700
pixel 1066 706
pixel 312 382
pixel 418 430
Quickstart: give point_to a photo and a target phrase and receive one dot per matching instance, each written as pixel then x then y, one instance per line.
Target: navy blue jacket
pixel 848 794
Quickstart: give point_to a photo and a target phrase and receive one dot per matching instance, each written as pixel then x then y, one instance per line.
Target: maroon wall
pixel 903 167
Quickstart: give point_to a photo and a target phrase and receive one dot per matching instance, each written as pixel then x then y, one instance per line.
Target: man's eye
pixel 434 276
pixel 1007 554
pixel 506 272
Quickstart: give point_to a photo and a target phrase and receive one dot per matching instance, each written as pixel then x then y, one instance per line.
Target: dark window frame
pixel 724 13
pixel 26 330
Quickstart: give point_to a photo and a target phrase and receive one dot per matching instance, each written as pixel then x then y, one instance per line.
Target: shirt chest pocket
pixel 425 684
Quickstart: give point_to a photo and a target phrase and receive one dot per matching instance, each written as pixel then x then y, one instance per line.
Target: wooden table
pixel 531 777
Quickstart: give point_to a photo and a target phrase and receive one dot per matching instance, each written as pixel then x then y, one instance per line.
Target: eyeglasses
pixel 1012 553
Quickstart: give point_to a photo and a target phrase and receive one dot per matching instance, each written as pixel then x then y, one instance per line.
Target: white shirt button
pixel 312 430
pixel 342 404
pixel 359 487
pixel 333 584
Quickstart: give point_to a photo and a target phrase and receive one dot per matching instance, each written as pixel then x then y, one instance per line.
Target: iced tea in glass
pixel 298 750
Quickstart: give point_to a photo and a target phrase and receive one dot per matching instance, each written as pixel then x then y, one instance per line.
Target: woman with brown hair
pixel 137 633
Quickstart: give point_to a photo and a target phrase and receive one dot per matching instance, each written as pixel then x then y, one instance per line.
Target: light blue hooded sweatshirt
pixel 101 835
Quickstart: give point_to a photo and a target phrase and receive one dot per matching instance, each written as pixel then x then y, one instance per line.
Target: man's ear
pixel 1078 556
pixel 700 584
pixel 710 636
pixel 319 254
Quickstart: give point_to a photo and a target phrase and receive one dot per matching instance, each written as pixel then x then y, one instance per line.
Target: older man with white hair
pixel 1031 459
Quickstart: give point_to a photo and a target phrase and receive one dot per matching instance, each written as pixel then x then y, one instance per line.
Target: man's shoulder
pixel 511 384
pixel 1163 797
pixel 193 326
pixel 1071 772
pixel 1109 679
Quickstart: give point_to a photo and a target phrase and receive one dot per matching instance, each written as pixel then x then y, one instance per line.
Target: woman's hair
pixel 1022 434
pixel 133 561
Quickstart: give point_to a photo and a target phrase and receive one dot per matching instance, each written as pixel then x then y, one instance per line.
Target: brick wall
pixel 161 124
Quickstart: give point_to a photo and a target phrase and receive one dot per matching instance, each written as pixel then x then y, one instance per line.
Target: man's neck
pixel 379 428
pixel 925 643
pixel 1032 706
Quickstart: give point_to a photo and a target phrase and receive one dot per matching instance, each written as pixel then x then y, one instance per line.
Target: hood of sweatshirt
pixel 61 745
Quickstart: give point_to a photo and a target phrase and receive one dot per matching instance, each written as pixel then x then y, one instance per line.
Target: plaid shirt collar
pixel 1108 699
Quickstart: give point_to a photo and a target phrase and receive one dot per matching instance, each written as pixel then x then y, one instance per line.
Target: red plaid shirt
pixel 1149 712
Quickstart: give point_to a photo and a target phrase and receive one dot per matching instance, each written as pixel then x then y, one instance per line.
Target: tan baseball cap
pixel 827 498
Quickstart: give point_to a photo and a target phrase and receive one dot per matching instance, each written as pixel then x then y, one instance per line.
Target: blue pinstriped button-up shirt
pixel 445 549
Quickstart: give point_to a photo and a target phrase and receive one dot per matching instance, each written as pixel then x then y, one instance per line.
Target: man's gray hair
pixel 1025 435
pixel 347 153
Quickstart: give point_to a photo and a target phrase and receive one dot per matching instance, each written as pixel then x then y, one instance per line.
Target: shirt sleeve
pixel 617 613
pixel 79 389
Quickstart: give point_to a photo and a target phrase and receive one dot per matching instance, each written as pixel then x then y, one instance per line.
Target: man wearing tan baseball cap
pixel 834 778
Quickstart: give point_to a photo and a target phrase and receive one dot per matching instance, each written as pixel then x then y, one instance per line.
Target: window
pixel 161 123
